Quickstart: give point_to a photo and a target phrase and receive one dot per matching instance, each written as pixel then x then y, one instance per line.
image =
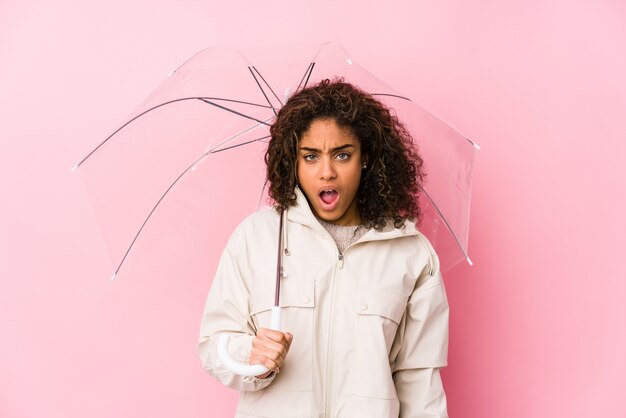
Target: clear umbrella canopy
pixel 207 127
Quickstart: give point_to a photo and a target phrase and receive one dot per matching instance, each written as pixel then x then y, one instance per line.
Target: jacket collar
pixel 301 213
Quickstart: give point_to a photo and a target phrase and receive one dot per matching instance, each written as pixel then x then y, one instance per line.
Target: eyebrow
pixel 340 148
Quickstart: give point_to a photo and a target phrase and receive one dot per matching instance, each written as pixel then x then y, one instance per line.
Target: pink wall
pixel 536 325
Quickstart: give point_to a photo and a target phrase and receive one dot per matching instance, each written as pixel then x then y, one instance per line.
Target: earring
pixel 364 166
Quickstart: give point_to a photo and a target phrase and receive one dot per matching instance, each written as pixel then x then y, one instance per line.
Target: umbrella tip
pixel 474 144
pixel 469 261
pixel 113 277
pixel 171 73
pixel 73 168
pixel 349 61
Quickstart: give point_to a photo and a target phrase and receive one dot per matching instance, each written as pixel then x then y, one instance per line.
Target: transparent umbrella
pixel 208 125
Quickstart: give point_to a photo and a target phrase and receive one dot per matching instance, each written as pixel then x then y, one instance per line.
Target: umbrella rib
pixel 238 101
pixel 445 221
pixel 161 105
pixel 268 85
pixel 309 75
pixel 215 151
pixel 258 203
pixel 308 69
pixel 391 95
pixel 168 190
pixel 235 112
pixel 262 91
pixel 238 134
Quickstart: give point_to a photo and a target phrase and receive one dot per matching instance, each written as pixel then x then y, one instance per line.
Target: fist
pixel 270 348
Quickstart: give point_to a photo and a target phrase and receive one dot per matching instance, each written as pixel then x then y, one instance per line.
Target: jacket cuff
pixel 257 380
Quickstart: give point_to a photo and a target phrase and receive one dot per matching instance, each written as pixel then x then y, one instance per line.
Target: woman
pixel 365 315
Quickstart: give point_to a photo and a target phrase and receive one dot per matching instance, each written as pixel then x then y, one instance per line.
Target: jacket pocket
pixel 379 312
pixel 297 300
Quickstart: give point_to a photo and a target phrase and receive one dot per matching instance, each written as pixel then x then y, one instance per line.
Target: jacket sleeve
pixel 422 349
pixel 226 311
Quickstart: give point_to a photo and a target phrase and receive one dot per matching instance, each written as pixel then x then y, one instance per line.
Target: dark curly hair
pixel 389 186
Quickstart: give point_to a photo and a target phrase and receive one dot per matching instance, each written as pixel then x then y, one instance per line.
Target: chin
pixel 328 217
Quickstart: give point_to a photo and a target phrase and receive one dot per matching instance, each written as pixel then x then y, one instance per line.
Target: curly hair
pixel 388 188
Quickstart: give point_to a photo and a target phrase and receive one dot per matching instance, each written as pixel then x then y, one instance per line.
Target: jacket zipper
pixel 329 350
pixel 330 346
pixel 329 356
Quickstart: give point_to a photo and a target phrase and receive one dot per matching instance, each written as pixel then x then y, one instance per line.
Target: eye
pixel 343 156
pixel 309 157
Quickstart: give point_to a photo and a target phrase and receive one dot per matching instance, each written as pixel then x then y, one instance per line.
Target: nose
pixel 327 169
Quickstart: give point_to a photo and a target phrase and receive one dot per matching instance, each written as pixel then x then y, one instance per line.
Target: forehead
pixel 326 133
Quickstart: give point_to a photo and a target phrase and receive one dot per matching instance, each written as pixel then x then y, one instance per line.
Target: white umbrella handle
pixel 241 368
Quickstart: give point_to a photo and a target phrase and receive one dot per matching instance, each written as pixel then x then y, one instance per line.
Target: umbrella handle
pixel 241 368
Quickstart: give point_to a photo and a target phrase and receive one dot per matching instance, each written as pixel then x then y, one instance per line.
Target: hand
pixel 269 348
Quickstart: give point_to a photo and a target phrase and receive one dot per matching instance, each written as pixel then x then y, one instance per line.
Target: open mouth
pixel 329 199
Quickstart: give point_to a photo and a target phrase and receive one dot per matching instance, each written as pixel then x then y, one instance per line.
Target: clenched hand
pixel 270 348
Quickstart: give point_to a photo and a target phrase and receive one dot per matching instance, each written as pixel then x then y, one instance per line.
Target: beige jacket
pixel 370 326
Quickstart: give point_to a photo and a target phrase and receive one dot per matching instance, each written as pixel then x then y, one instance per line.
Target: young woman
pixel 364 309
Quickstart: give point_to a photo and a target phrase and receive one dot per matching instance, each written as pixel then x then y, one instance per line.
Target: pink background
pixel 536 325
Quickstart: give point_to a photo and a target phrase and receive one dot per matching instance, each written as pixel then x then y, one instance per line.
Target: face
pixel 329 171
